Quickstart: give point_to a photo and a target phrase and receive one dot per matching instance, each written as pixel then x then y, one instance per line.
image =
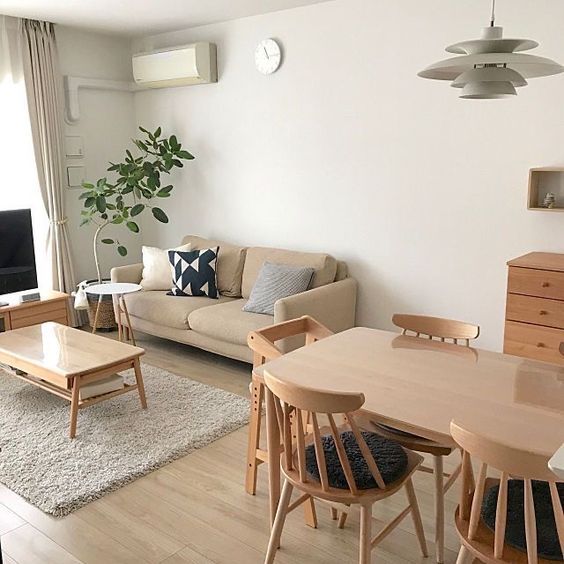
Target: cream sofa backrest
pixel 230 263
pixel 325 265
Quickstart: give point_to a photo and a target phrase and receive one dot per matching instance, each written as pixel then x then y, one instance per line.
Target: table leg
pixel 96 314
pixel 273 448
pixel 74 406
pixel 119 324
pixel 140 385
pixel 128 321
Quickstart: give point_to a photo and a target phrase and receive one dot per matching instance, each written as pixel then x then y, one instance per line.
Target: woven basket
pixel 106 315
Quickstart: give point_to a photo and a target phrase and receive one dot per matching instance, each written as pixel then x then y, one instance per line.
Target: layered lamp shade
pixel 491 67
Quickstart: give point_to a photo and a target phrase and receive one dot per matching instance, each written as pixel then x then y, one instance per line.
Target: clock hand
pixel 267 56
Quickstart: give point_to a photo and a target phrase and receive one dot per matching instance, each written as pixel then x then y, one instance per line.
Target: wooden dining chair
pixel 445 330
pixel 339 465
pixel 514 518
pixel 265 346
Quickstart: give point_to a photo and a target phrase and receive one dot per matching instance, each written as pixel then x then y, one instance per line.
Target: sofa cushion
pixel 230 263
pixel 170 311
pixel 228 322
pixel 194 273
pixel 277 281
pixel 325 266
pixel 156 268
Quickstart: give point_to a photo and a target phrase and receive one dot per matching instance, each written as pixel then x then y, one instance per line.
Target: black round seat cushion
pixel 548 545
pixel 390 458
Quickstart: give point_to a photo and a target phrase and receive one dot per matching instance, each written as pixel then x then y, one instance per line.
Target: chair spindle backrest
pixel 512 464
pixel 296 402
pixel 263 341
pixel 436 328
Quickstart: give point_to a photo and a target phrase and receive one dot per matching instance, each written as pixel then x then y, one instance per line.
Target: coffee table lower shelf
pixel 67 394
pixel 73 394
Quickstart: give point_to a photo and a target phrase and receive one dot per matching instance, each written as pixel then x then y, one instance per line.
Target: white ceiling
pixel 139 17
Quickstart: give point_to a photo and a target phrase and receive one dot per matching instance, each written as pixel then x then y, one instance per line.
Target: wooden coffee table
pixel 60 359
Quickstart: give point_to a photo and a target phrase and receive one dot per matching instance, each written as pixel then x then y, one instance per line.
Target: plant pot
pixel 106 314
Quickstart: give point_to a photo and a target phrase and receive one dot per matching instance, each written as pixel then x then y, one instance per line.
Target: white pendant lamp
pixel 491 67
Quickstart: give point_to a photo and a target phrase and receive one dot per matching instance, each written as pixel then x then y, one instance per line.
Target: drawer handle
pixel 545 284
pixel 540 345
pixel 543 312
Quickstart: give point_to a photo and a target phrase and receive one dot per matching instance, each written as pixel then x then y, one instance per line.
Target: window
pixel 19 186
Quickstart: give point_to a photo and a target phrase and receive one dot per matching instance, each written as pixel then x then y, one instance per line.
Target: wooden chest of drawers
pixel 534 318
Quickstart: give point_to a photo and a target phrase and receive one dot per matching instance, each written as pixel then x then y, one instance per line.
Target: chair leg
pixel 281 513
pixel 257 396
pixel 365 534
pixel 439 510
pixel 310 515
pixel 416 516
pixel 343 520
pixel 464 556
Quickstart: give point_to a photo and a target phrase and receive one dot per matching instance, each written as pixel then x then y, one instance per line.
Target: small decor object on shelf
pixel 135 190
pixel 549 201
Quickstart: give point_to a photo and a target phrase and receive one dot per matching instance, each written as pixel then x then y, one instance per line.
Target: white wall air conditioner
pixel 179 66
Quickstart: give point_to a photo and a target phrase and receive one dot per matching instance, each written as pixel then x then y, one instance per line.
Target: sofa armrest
pixel 130 273
pixel 333 305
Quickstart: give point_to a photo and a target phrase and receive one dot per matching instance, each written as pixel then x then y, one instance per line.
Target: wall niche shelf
pixel 544 180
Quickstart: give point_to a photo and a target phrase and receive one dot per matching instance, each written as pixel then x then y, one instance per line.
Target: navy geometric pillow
pixel 194 273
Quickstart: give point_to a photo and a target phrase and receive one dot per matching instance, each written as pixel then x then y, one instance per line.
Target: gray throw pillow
pixel 276 281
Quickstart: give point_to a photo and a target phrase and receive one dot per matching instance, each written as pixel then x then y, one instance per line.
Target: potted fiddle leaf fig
pixel 136 189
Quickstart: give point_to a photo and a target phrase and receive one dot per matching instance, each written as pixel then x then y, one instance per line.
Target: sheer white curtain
pixel 19 185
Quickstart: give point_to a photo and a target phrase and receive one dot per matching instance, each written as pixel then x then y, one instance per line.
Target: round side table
pixel 118 290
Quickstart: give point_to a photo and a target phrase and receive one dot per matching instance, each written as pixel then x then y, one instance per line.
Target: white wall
pixel 345 150
pixel 107 124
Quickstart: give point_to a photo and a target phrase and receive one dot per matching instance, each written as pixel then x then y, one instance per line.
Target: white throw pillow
pixel 156 268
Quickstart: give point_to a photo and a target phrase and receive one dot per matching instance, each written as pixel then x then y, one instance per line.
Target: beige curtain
pixel 43 82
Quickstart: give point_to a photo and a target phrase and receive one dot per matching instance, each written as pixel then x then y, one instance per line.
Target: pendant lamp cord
pixel 492 20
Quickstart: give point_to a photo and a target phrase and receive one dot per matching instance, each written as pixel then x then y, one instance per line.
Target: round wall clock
pixel 268 56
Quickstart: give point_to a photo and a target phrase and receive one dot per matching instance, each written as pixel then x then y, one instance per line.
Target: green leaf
pixel 151 182
pixel 122 250
pixel 185 155
pixel 137 209
pixel 117 220
pixel 113 167
pixel 173 142
pixel 84 222
pixel 143 130
pixel 101 183
pixel 158 132
pixel 85 195
pixel 132 226
pixel 164 192
pixel 160 215
pixel 88 185
pixel 89 202
pixel 108 241
pixel 100 204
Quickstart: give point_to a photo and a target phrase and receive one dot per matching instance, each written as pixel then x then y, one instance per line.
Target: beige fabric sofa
pixel 220 326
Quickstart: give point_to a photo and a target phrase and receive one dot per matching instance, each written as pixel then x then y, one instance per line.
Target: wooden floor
pixel 195 510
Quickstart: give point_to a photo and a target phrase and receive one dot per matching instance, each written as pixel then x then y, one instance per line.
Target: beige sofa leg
pixel 257 397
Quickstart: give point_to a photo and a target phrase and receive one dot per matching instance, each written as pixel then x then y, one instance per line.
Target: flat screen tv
pixel 17 256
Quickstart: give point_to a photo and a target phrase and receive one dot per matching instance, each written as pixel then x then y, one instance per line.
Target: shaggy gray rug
pixel 116 442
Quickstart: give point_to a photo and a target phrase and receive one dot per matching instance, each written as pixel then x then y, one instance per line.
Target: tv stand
pixel 51 306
